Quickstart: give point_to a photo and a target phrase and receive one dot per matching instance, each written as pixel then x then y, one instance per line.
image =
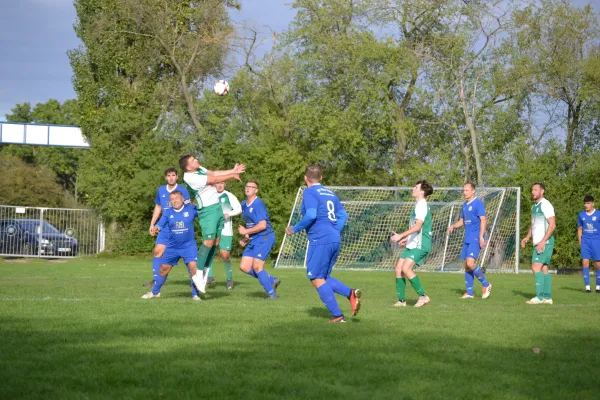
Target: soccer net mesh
pixel 375 211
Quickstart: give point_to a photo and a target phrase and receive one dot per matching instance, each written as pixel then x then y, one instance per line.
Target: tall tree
pixel 555 40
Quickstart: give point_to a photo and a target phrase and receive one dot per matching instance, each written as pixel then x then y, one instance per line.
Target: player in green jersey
pixel 417 240
pixel 231 207
pixel 543 223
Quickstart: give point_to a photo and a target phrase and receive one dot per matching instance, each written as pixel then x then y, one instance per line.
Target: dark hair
pixel 255 182
pixel 470 184
pixel 169 170
pixel 588 198
pixel 541 185
pixel 176 192
pixel 314 173
pixel 425 187
pixel 183 162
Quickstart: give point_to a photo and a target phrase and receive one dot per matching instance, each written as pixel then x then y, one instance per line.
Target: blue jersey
pixel 470 214
pixel 162 196
pixel 590 224
pixel 255 212
pixel 181 226
pixel 324 228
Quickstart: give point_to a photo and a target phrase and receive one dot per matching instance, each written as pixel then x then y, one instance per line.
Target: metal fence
pixel 50 232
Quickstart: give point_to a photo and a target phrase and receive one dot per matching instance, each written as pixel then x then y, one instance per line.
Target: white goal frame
pixel 364 205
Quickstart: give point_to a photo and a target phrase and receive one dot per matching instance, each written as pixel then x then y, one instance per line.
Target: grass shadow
pixel 524 295
pixel 318 312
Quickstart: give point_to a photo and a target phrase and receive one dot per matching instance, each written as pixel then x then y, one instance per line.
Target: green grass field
pixel 78 329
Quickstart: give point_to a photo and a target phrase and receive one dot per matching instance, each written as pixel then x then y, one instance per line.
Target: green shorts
pixel 545 256
pixel 225 242
pixel 211 221
pixel 417 255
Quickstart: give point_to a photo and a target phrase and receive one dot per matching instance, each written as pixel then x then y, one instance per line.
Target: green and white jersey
pixel 231 206
pixel 204 194
pixel 421 239
pixel 540 212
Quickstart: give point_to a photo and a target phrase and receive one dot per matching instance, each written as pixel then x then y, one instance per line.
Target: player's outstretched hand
pixel 403 242
pixel 481 243
pixel 241 230
pixel 524 242
pixel 237 177
pixel 450 229
pixel 151 230
pixel 239 168
pixel 289 230
pixel 154 231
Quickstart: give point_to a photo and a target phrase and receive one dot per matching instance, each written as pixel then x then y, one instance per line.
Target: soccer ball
pixel 221 88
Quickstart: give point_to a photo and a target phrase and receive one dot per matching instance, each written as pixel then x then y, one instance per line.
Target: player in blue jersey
pixel 323 219
pixel 182 242
pixel 474 219
pixel 259 239
pixel 588 233
pixel 161 204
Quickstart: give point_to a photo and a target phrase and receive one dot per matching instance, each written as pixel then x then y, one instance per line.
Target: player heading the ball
pixel 200 182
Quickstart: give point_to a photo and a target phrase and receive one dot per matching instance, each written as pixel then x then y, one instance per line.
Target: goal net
pixel 373 212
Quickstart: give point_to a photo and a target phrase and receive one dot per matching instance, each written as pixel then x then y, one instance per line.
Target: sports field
pixel 78 329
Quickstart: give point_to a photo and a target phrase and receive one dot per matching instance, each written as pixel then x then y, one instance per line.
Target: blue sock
pixel 194 290
pixel 328 298
pixel 586 276
pixel 338 287
pixel 252 273
pixel 469 279
pixel 156 262
pixel 158 282
pixel 479 275
pixel 265 281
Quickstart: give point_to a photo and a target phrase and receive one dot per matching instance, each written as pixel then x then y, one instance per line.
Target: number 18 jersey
pixel 324 229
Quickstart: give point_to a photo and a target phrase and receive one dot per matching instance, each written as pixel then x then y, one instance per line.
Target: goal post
pixel 374 212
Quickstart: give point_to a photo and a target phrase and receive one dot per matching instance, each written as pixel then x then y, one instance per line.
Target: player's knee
pixel 209 243
pixel 158 251
pixel 164 270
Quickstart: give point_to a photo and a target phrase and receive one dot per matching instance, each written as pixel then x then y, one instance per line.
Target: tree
pixel 24 184
pixel 555 42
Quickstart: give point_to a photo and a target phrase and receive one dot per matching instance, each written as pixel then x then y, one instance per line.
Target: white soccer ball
pixel 221 88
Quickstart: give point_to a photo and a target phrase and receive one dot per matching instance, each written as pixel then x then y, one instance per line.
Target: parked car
pixel 22 237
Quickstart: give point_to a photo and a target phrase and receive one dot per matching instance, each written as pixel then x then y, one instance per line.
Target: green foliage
pixel 23 184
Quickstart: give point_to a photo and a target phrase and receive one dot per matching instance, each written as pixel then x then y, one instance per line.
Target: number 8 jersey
pixel 325 228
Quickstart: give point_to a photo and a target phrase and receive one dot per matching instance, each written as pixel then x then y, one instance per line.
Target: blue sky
pixel 35 36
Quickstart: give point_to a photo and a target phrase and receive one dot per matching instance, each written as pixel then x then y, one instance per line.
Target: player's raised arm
pixel 237 169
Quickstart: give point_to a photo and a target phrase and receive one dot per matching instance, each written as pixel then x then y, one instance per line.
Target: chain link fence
pixel 50 232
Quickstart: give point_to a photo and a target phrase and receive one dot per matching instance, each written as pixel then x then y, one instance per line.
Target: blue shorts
pixel 171 256
pixel 163 236
pixel 260 247
pixel 590 249
pixel 320 259
pixel 470 250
